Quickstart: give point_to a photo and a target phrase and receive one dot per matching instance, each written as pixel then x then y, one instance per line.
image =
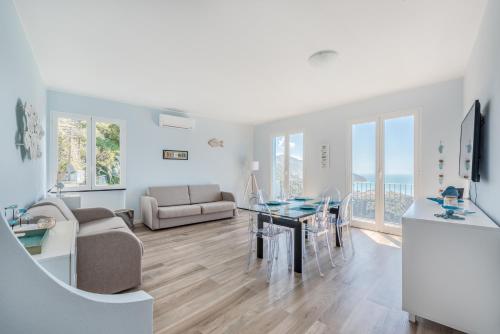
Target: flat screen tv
pixel 470 143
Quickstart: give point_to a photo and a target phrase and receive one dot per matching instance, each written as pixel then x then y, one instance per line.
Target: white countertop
pixel 59 241
pixel 424 210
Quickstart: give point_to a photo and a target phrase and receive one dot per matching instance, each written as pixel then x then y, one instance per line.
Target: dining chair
pixel 269 232
pixel 318 227
pixel 334 192
pixel 335 198
pixel 343 222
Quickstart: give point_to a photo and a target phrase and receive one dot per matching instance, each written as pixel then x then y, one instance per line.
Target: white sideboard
pixel 451 268
pixel 58 254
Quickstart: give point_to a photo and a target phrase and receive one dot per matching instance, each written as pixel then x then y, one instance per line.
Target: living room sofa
pixel 109 255
pixel 171 206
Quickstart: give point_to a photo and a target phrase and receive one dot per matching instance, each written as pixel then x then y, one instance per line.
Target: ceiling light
pixel 323 58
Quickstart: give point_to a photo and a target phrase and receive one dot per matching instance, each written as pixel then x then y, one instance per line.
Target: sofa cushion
pixel 215 207
pixel 178 211
pixel 205 193
pixel 170 195
pixel 101 225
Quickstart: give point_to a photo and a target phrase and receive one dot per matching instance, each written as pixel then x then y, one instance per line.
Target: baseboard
pixel 138 221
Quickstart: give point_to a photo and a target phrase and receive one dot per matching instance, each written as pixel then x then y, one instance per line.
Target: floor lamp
pixel 252 185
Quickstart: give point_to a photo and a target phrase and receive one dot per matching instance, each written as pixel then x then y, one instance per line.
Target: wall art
pixel 214 142
pixel 29 131
pixel 175 155
pixel 325 155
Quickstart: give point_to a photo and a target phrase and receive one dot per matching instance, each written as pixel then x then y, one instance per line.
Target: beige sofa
pixel 171 206
pixel 109 255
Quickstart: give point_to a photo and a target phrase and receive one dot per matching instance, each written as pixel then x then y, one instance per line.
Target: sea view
pixel 391 178
pixel 398 196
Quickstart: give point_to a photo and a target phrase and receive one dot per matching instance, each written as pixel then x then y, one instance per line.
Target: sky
pixel 296 145
pixel 398 147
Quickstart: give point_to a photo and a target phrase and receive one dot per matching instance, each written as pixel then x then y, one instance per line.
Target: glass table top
pixel 292 208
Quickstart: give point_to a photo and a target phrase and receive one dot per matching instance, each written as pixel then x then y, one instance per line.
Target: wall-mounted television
pixel 470 143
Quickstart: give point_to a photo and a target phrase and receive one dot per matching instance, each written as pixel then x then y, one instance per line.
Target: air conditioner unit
pixel 170 121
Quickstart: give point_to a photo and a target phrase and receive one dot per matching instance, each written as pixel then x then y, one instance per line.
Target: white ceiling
pixel 246 61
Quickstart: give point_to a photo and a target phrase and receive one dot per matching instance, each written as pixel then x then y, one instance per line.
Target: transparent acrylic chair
pixel 335 195
pixel 335 199
pixel 319 227
pixel 270 233
pixel 343 223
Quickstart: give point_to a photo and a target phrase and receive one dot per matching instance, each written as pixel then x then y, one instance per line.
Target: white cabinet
pixel 451 268
pixel 59 252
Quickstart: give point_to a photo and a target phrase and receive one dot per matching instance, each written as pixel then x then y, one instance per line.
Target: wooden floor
pixel 197 276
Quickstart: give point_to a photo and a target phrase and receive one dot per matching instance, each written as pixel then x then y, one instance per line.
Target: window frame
pixel 90 173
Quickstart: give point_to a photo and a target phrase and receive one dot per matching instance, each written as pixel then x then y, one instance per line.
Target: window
pixel 383 169
pixel 288 165
pixel 278 170
pixel 88 152
pixel 72 152
pixel 107 154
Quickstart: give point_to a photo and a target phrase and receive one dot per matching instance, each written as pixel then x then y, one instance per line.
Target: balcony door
pixel 383 170
pixel 287 165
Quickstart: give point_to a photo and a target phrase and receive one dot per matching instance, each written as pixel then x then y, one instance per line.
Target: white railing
pixel 397 199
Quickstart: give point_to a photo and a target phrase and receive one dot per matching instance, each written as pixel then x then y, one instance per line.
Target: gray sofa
pixel 171 206
pixel 108 254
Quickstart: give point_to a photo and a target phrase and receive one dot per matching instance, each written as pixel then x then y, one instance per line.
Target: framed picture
pixel 325 156
pixel 175 155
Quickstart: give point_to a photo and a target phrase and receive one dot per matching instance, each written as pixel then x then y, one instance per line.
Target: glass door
pixel 288 166
pixel 278 168
pixel 383 169
pixel 295 165
pixel 364 172
pixel 399 168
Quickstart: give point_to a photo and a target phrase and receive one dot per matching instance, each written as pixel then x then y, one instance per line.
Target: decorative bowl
pixel 46 223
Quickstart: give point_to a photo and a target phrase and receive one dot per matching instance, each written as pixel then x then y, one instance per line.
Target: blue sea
pixel 391 178
pixel 397 183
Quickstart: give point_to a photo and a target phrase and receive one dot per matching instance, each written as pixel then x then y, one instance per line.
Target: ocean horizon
pixel 390 178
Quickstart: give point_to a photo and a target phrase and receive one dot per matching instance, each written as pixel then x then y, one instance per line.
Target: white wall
pixel 21 182
pixel 227 166
pixel 441 114
pixel 482 81
pixel 45 304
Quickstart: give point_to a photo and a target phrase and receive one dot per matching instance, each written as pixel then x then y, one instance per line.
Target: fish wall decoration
pixel 214 142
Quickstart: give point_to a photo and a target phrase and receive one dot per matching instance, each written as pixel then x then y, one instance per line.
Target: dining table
pixel 292 213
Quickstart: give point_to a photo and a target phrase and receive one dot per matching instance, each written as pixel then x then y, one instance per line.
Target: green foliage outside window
pixel 107 146
pixel 72 151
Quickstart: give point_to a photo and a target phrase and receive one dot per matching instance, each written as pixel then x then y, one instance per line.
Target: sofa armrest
pixel 47 211
pixel 149 211
pixel 109 261
pixel 90 214
pixel 227 196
